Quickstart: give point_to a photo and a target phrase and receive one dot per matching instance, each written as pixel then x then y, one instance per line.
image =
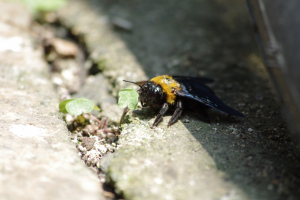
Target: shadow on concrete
pixel 215 39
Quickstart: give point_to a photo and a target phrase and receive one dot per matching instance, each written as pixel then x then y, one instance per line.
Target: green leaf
pixel 43 5
pixel 128 98
pixel 79 106
pixel 96 108
pixel 62 105
pixel 80 119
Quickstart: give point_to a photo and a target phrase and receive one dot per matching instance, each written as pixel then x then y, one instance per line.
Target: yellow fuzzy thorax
pixel 168 85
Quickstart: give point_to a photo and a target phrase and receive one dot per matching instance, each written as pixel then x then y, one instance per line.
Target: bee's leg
pixel 159 117
pixel 176 113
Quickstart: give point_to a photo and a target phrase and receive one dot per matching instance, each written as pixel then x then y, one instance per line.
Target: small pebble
pixel 198 129
pixel 250 129
pixel 88 142
pixel 121 23
pixel 186 121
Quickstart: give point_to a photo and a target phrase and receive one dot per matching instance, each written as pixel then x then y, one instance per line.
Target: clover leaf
pixel 77 106
pixel 128 98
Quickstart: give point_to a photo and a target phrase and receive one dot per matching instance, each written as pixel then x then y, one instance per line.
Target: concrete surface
pixel 37 160
pixel 252 158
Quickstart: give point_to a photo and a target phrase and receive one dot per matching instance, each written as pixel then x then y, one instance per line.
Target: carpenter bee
pixel 165 91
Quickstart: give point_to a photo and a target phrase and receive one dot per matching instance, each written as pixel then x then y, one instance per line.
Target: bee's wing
pixel 140 83
pixel 202 80
pixel 203 94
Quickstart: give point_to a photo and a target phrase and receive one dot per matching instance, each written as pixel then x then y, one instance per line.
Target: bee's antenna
pixel 132 82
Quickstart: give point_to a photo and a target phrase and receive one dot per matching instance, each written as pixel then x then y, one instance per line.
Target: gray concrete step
pixel 37 160
pixel 227 159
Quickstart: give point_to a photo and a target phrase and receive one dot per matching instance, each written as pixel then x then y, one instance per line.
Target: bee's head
pixel 149 93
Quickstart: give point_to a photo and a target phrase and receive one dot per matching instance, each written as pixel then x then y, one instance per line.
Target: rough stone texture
pixel 37 161
pixel 252 158
pixel 96 88
pixel 102 43
pixel 167 163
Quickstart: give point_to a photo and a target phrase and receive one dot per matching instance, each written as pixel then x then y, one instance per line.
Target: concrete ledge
pixel 252 158
pixel 37 160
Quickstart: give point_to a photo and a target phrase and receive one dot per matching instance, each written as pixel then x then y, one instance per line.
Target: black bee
pixel 168 91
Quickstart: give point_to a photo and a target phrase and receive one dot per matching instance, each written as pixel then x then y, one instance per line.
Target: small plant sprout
pixel 128 99
pixel 78 107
